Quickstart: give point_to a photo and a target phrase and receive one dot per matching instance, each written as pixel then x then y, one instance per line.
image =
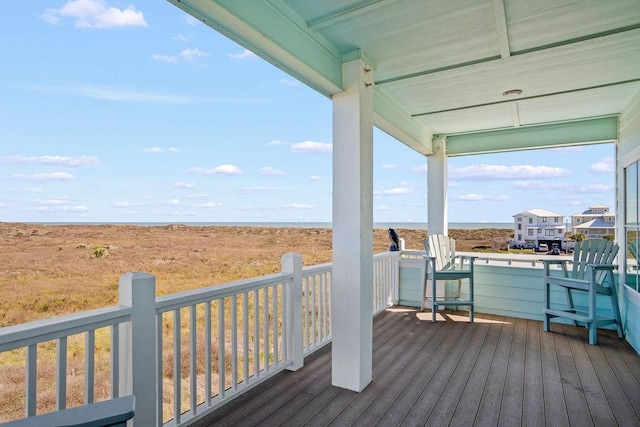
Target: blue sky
pixel 119 111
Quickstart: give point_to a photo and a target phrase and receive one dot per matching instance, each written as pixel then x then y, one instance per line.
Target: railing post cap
pixel 136 275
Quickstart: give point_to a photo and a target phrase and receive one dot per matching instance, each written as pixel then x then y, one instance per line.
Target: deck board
pixel 497 371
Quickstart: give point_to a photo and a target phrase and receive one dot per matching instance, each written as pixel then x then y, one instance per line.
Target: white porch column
pixel 437 215
pixel 352 277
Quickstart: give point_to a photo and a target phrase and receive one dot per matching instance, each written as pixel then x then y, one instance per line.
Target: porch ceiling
pixel 442 66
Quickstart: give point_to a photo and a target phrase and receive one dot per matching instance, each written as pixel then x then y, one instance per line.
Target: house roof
pixel 444 67
pixel 540 212
pixel 591 211
pixel 595 223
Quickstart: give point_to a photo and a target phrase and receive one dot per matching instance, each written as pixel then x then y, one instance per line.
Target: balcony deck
pixel 497 371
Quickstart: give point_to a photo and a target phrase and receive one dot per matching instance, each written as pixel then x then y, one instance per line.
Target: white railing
pixel 515 260
pixel 77 331
pixel 186 354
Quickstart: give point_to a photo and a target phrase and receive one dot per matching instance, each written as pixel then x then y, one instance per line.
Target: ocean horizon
pixel 300 224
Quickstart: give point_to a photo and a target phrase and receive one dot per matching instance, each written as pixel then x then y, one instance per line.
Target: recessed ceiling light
pixel 512 93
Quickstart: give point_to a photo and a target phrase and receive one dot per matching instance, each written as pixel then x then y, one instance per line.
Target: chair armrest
pixel 561 262
pixel 603 266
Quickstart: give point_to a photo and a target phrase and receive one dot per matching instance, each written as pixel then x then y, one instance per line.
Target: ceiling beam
pixel 497 60
pixel 501 27
pixel 524 98
pixel 394 120
pixel 579 132
pixel 341 15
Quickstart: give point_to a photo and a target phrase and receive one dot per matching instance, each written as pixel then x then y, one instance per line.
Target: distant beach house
pixel 537 226
pixel 595 222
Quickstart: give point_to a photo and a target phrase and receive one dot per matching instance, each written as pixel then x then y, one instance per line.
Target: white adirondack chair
pixel 592 274
pixel 442 263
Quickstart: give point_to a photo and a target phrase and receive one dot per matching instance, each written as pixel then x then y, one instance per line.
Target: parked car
pixel 543 247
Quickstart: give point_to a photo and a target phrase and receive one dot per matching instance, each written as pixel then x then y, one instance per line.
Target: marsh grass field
pixel 52 270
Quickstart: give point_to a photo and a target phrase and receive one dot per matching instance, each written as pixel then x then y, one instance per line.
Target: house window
pixel 530 220
pixel 559 231
pixel 556 219
pixel 548 232
pixel 530 232
pixel 519 219
pixel 519 226
pixel 539 230
pixel 544 219
pixel 519 237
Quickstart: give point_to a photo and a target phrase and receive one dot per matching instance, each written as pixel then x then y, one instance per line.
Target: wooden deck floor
pixel 497 371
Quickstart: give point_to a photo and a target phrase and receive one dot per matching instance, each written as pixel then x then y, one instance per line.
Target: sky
pixel 130 111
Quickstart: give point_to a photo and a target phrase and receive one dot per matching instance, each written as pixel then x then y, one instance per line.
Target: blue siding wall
pixel 630 309
pixel 501 290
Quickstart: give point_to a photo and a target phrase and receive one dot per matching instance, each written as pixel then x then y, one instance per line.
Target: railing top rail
pixel 318 268
pixel 387 254
pixel 498 257
pixel 57 327
pixel 196 296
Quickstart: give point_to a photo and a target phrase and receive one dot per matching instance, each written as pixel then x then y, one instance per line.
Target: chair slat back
pixel 443 248
pixel 592 251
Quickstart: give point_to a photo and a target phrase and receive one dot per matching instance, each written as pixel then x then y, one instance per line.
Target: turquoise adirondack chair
pixel 442 263
pixel 592 274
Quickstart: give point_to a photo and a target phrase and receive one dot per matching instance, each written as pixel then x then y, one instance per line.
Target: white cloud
pixel 269 171
pixel 245 54
pixel 62 208
pixel 390 166
pixel 541 185
pixel 258 189
pixel 501 172
pixel 124 204
pixel 381 208
pixel 299 206
pixel 181 37
pixel 54 160
pixel 290 82
pixel 53 202
pixel 191 54
pixel 3 205
pixel 312 147
pixel 126 95
pixel 33 189
pixel 190 20
pixel 218 170
pixel 165 58
pixel 227 170
pixel 479 197
pixel 185 185
pixel 419 169
pixel 173 150
pixel 172 202
pixel 95 14
pixel 605 165
pixel 55 176
pixel 152 150
pixel 209 205
pixel 198 196
pixel 316 178
pixel 393 191
pixel 595 188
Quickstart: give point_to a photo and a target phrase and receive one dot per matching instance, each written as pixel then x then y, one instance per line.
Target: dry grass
pixel 54 270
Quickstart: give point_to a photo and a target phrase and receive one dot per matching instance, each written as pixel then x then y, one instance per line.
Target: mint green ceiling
pixel 441 66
